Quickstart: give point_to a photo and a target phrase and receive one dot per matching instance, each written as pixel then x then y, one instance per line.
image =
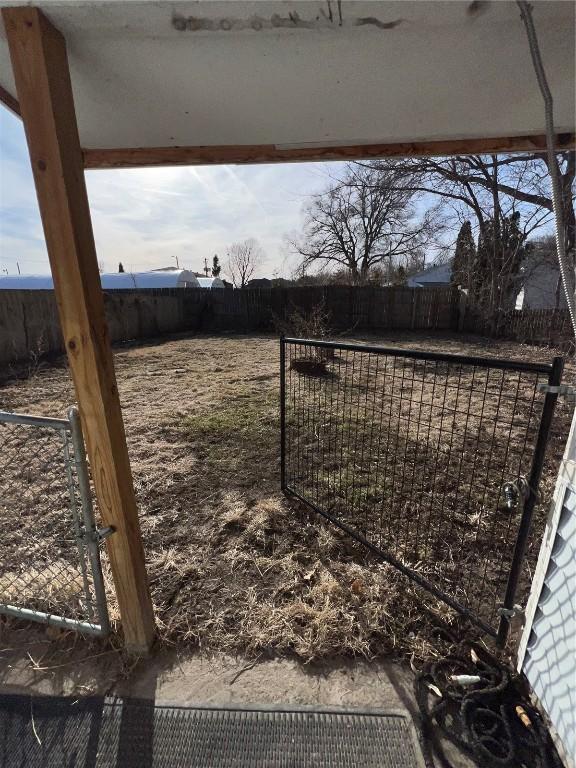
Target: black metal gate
pixel 431 461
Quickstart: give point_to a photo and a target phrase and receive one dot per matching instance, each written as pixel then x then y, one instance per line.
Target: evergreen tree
pixel 464 256
pixel 120 267
pixel 495 274
pixel 216 267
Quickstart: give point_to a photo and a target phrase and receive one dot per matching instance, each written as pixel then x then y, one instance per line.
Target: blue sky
pixel 148 217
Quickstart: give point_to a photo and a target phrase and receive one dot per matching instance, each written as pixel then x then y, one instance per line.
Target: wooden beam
pixel 39 61
pixel 143 157
pixel 9 101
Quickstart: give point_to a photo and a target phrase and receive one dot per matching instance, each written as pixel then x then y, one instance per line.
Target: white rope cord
pixel 567 282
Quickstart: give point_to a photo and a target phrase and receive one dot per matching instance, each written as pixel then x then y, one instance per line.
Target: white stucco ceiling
pixel 257 73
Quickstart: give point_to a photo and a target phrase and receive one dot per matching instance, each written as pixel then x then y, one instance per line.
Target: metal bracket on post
pixel 564 390
pixel 510 613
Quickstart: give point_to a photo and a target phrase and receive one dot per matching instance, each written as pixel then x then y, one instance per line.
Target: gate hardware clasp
pixel 104 533
pixel 514 491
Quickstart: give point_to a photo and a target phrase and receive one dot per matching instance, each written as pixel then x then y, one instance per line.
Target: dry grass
pixel 58 584
pixel 413 455
pixel 268 579
pixel 232 564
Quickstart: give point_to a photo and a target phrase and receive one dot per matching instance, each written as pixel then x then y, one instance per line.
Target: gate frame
pixel 89 539
pixel 552 370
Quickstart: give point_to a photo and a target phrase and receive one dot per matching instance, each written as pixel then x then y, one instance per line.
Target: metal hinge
pixel 561 389
pixel 510 613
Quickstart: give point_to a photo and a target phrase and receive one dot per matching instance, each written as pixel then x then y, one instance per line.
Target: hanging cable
pixel 557 206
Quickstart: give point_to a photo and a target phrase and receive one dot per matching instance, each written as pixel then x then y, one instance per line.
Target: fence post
pixel 550 399
pixel 92 542
pixel 414 307
pixel 282 413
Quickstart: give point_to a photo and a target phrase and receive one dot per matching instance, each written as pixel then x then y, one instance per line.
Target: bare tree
pixel 508 198
pixel 493 185
pixel 525 179
pixel 243 260
pixel 361 221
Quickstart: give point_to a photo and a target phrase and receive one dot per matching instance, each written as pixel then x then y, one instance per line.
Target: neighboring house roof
pixel 438 275
pixel 259 282
pixel 210 282
pixel 177 278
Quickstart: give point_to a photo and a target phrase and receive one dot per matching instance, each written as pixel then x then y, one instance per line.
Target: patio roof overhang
pixel 168 83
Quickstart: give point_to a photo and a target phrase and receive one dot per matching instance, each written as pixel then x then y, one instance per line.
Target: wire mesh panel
pixel 432 461
pixel 49 558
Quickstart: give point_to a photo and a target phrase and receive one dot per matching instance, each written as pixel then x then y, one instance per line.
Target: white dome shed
pixel 111 281
pixel 174 278
pixel 26 282
pixel 210 282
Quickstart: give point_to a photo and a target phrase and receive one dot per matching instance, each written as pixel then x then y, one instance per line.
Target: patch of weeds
pixel 237 443
pixel 239 418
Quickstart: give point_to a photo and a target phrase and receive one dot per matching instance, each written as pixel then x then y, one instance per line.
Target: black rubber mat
pixel 99 733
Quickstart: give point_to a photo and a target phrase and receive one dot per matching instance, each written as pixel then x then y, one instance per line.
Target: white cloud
pixel 151 217
pixel 147 218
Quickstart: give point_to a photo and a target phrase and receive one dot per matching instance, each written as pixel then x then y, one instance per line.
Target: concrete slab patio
pixel 213 680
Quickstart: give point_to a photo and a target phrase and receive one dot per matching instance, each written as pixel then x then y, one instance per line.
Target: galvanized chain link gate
pixel 50 569
pixel 431 461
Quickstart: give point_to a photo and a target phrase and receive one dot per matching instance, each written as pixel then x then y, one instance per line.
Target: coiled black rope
pixel 490 720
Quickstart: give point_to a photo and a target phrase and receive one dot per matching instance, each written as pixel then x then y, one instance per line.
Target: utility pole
pixel 206 268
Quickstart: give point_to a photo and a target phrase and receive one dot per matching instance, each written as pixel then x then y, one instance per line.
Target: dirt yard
pixel 233 565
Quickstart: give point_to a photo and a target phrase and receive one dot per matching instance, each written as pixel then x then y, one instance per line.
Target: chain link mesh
pixel 46 565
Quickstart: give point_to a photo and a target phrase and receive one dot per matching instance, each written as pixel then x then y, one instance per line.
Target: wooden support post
pixel 40 64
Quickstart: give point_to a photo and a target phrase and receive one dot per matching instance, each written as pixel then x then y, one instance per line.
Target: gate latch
pixel 561 389
pixel 104 533
pixel 515 491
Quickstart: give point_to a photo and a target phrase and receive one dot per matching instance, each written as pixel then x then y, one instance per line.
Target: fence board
pixel 542 327
pixel 29 323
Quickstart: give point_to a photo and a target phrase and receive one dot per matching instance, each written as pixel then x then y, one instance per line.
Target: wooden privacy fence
pixel 29 326
pixel 347 307
pixel 543 327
